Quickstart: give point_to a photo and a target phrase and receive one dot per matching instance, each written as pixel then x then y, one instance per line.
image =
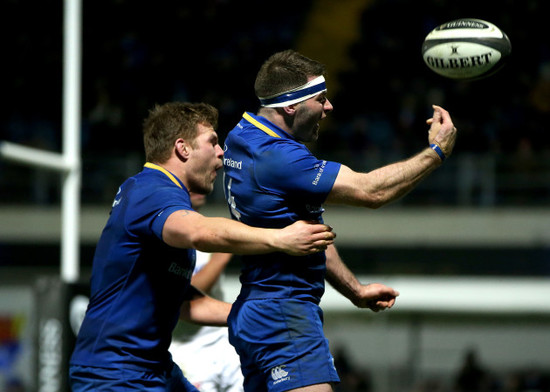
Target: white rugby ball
pixel 466 49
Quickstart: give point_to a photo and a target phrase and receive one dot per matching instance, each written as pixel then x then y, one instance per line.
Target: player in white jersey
pixel 204 353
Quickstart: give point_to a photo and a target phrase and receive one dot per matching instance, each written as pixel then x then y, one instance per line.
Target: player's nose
pixel 328 106
pixel 219 151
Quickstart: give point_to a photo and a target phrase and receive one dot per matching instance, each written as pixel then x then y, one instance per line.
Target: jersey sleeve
pixel 292 169
pixel 151 212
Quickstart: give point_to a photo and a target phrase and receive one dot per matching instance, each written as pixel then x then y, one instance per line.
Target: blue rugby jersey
pixel 138 282
pixel 271 180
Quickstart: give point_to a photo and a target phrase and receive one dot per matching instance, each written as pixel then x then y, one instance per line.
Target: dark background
pixel 136 54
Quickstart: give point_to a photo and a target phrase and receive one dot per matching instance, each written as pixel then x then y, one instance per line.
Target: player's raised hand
pixel 304 238
pixel 442 130
pixel 376 297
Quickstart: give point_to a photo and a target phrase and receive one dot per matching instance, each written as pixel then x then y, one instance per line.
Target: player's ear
pixel 289 110
pixel 183 148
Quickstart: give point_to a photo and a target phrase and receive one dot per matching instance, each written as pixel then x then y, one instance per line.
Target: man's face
pixel 204 160
pixel 308 115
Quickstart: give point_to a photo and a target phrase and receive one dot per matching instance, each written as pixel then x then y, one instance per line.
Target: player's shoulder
pixel 155 188
pixel 253 138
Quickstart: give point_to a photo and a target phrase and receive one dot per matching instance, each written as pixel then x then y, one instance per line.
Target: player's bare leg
pixel 314 388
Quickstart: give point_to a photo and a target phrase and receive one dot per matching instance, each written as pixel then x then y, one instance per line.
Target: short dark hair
pixel 173 120
pixel 284 71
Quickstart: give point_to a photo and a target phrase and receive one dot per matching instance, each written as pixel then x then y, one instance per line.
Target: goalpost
pixel 56 297
pixel 69 161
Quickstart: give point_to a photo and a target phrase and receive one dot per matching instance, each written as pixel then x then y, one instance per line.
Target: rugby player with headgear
pixel 271 180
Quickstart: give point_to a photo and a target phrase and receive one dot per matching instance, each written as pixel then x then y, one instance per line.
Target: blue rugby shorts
pixel 88 379
pixel 281 344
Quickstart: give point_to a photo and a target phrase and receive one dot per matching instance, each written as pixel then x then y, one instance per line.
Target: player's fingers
pixel 323 235
pixel 446 121
pixel 446 117
pixel 322 244
pixel 437 113
pixel 390 303
pixel 381 305
pixel 392 293
pixel 317 249
pixel 384 292
pixel 317 227
pixel 318 245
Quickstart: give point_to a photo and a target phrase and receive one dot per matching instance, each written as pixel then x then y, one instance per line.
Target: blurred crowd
pixel 472 375
pixel 136 55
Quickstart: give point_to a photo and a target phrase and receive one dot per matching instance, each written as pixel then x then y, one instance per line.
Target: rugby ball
pixel 466 49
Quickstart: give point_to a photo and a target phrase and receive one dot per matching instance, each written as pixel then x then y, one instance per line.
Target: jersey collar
pixel 163 170
pixel 258 124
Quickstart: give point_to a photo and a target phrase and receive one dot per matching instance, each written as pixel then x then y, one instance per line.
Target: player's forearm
pixel 384 185
pixel 391 182
pixel 188 229
pixel 227 236
pixel 207 277
pixel 205 310
pixel 339 276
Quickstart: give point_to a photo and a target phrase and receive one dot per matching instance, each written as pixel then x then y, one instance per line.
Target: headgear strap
pixel 298 94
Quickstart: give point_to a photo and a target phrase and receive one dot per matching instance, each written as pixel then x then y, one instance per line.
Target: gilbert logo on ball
pixel 466 49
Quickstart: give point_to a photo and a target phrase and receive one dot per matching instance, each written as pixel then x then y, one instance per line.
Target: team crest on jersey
pixel 279 374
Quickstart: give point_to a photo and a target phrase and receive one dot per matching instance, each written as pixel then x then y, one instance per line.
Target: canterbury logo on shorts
pixel 279 374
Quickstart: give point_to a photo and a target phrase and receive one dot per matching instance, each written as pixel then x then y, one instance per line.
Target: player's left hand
pixel 376 297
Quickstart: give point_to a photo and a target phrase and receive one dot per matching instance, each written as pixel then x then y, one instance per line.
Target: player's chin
pixel 314 133
pixel 210 187
pixel 206 188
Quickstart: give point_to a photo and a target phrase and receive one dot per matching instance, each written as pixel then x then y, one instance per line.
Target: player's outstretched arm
pixel 389 183
pixel 374 296
pixel 189 229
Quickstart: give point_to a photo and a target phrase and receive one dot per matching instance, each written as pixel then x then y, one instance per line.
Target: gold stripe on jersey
pixel 168 174
pixel 259 125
